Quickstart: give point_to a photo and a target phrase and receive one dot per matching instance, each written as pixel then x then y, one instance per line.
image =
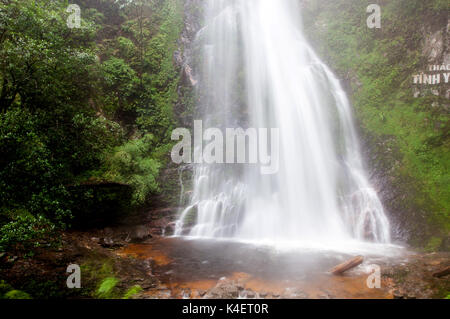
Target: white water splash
pixel 259 71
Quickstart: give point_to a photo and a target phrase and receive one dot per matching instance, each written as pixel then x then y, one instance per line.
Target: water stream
pixel 257 70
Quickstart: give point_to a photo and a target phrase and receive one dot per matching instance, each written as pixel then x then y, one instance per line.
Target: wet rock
pixel 139 234
pixel 147 285
pixel 188 77
pixel 398 295
pixel 106 242
pixel 263 294
pixel 201 292
pixel 186 294
pixel 240 286
pixel 169 229
pixel 434 46
pixel 326 295
pixel 299 294
pixel 165 294
pixel 223 290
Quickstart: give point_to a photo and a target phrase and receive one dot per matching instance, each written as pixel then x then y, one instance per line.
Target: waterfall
pixel 256 69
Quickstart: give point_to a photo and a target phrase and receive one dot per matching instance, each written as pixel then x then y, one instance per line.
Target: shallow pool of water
pixel 182 264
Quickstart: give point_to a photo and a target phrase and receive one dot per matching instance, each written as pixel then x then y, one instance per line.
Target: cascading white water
pixel 257 70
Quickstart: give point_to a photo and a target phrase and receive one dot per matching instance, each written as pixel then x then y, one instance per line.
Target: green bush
pixel 133 164
pixel 25 231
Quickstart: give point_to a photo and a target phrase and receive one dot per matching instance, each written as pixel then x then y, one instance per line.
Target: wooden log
pixel 349 264
pixel 442 273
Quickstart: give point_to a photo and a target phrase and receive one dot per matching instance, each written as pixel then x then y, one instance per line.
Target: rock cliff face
pixel 411 220
pixel 175 180
pixel 402 110
pixel 185 58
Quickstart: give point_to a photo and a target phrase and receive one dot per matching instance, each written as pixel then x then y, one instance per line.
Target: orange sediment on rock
pixel 145 251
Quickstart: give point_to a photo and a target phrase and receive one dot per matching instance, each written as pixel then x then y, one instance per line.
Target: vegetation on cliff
pixel 408 136
pixel 81 106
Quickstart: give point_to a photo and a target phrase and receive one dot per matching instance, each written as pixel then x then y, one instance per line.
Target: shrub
pixel 25 231
pixel 133 164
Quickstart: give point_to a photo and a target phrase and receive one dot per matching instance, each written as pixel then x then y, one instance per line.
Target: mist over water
pixel 257 70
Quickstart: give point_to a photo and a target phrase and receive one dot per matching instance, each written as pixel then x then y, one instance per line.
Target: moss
pixel 94 272
pixel 106 288
pixel 48 289
pixel 191 217
pixel 100 280
pixel 17 294
pixel 4 287
pixel 132 291
pixel 433 244
pixel 163 80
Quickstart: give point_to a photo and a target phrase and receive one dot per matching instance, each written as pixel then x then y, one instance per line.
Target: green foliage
pixel 63 93
pixel 106 288
pixel 126 47
pixel 120 79
pixel 17 294
pixel 42 61
pixel 94 272
pixel 4 288
pixel 133 164
pixel 433 244
pixel 25 230
pixel 8 292
pixel 50 135
pixel 161 79
pixel 91 137
pixel 132 291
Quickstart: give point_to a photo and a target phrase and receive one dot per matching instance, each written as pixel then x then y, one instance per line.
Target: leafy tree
pixel 121 81
pixel 133 164
pixel 43 63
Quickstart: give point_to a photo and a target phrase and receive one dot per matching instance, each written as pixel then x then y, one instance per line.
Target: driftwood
pixel 442 273
pixel 349 264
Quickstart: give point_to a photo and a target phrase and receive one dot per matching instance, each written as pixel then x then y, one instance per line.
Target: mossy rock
pixel 4 288
pixel 17 294
pixel 191 217
pixel 106 288
pixel 132 292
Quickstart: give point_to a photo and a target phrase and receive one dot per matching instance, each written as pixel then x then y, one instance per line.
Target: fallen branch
pixel 349 264
pixel 442 273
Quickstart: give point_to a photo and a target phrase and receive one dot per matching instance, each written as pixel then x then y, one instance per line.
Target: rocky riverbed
pixel 136 254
